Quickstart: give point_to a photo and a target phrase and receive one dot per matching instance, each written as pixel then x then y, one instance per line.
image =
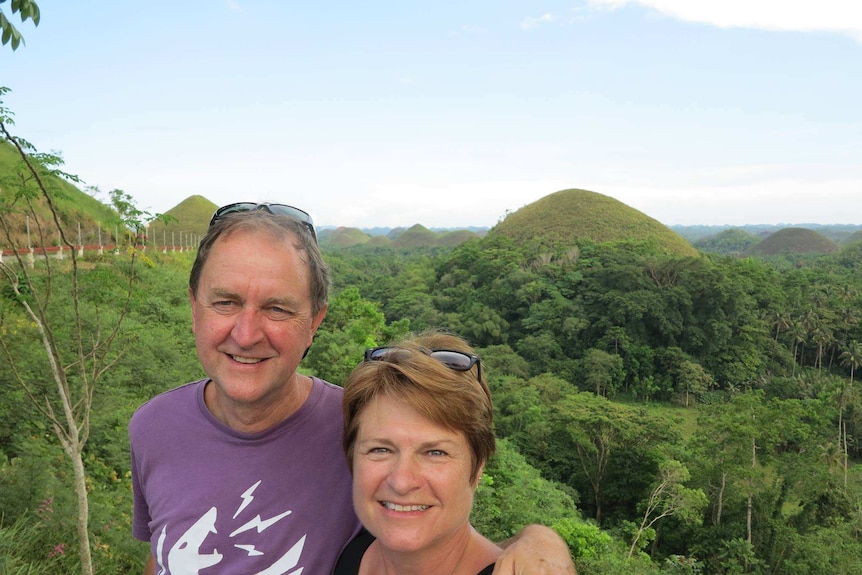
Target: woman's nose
pixel 405 474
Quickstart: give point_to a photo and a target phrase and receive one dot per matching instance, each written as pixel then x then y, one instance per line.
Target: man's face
pixel 252 319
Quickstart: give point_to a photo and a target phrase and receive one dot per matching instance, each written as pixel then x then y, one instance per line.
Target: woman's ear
pixel 478 477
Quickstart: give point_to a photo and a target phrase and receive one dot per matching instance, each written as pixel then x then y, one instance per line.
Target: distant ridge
pixel 563 218
pixel 417 236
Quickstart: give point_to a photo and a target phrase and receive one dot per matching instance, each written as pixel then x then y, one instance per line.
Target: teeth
pixel 241 359
pixel 396 507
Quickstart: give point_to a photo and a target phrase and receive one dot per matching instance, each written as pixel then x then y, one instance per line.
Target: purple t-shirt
pixel 213 500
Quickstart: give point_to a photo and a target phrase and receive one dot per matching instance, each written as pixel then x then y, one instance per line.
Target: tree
pixel 26 10
pixel 599 429
pixel 852 358
pixel 670 497
pixel 78 343
pixel 602 371
pixel 352 324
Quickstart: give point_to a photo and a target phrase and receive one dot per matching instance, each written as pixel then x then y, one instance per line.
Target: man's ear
pixel 192 303
pixel 318 319
pixel 315 323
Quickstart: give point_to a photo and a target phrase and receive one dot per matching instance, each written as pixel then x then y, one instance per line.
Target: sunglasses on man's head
pixel 276 209
pixel 457 360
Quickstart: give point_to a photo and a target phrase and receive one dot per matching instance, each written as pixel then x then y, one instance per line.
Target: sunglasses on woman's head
pixel 276 209
pixel 457 360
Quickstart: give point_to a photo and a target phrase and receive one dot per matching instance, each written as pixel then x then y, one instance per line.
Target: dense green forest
pixel 665 410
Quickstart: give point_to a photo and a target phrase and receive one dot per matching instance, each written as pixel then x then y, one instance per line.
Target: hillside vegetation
pixel 75 207
pixel 732 242
pixel 565 218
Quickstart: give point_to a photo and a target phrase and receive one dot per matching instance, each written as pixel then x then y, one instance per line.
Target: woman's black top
pixel 351 557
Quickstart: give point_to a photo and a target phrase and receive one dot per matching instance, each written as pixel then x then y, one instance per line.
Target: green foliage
pixel 732 242
pixel 352 324
pixel 513 494
pixel 26 10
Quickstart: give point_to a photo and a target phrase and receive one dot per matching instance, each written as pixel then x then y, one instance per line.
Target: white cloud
pixel 842 16
pixel 532 22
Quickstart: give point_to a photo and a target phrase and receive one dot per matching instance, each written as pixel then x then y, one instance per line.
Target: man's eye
pixel 436 453
pixel 276 312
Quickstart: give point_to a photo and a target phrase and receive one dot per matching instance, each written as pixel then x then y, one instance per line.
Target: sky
pixel 453 113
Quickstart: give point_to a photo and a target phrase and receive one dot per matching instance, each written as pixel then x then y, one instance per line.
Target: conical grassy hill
pixel 191 216
pixel 853 238
pixel 793 241
pixel 342 237
pixel 564 218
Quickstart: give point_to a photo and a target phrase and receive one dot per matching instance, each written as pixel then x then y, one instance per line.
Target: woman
pixel 417 434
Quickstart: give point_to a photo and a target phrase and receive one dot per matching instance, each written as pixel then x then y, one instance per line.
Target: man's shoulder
pixel 176 398
pixel 328 388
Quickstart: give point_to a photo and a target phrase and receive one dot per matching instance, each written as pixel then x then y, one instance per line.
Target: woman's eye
pixel 436 453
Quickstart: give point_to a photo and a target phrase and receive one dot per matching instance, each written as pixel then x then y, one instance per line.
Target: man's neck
pixel 263 415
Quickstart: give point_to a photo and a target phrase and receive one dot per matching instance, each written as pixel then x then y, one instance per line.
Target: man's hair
pixel 457 400
pixel 280 228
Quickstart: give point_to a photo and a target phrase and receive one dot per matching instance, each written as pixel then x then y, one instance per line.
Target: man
pixel 242 472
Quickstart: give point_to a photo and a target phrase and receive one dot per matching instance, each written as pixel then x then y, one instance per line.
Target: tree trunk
pixel 717 520
pixel 750 510
pixel 83 515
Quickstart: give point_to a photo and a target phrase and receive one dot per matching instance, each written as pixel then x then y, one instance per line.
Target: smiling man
pixel 242 471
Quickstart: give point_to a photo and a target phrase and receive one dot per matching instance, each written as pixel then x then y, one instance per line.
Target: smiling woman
pixel 417 434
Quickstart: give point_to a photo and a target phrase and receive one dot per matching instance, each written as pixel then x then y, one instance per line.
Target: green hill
pixel 379 242
pixel 455 238
pixel 189 217
pixel 76 208
pixel 416 237
pixel 793 241
pixel 564 218
pixel 342 237
pixel 852 238
pixel 731 242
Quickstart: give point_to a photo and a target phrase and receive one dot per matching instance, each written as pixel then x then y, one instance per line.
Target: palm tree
pixel 798 336
pixel 851 357
pixel 781 321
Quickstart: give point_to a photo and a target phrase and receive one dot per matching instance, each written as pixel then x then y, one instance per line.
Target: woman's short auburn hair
pixel 457 400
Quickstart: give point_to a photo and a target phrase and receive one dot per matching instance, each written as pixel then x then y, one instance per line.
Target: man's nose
pixel 247 327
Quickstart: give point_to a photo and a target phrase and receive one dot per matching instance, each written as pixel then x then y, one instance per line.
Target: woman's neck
pixel 466 555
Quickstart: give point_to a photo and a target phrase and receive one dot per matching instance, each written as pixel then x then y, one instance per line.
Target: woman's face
pixel 411 478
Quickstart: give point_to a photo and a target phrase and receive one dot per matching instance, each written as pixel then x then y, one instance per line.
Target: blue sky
pixel 391 113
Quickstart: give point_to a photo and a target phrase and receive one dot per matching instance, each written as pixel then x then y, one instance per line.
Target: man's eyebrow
pixel 222 292
pixel 281 301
